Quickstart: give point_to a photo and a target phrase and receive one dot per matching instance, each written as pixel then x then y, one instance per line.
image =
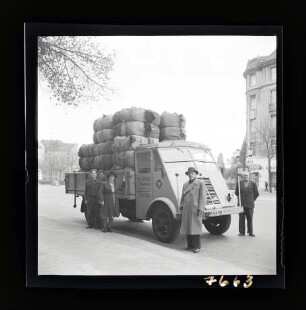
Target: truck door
pixel 143 165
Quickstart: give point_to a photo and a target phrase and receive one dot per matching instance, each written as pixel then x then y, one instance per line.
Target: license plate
pixel 224 211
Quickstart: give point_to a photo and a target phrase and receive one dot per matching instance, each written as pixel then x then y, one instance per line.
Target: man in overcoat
pixel 93 199
pixel 248 193
pixel 192 207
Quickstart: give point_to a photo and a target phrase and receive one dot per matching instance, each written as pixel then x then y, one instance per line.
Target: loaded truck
pixel 153 190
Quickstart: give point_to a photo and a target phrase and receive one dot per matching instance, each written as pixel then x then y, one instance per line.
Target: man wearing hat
pixel 93 199
pixel 192 207
pixel 248 193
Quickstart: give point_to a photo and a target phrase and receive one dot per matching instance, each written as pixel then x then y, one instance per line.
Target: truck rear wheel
pixel 165 227
pixel 217 225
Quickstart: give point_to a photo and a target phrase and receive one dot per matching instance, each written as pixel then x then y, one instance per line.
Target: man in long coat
pixel 93 199
pixel 192 207
pixel 248 193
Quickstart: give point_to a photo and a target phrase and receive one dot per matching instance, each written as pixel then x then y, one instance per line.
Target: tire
pixel 217 225
pixel 165 227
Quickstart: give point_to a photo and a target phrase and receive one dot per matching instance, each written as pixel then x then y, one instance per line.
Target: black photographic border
pixel 32 31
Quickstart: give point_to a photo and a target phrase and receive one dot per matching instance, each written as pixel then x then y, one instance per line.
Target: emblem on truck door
pixel 159 184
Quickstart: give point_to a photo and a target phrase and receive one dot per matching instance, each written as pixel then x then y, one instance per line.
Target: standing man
pixel 248 193
pixel 266 186
pixel 192 207
pixel 93 199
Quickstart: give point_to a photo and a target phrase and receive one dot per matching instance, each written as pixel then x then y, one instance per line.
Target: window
pixel 273 96
pixel 144 162
pixel 253 148
pixel 252 102
pixel 273 74
pixel 273 122
pixel 175 155
pixel 201 155
pixel 252 80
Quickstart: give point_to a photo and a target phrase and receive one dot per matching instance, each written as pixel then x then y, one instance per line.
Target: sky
pixel 200 77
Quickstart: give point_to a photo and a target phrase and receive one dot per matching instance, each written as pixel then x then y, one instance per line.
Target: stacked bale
pixel 133 127
pixel 103 137
pixel 103 129
pixel 172 127
pixel 117 136
pixel 123 150
pixel 87 155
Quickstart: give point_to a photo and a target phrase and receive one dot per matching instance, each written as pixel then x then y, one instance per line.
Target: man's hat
pixel 191 169
pixel 112 172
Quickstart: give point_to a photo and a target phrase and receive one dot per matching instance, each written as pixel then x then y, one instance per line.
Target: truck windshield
pixel 175 155
pixel 201 155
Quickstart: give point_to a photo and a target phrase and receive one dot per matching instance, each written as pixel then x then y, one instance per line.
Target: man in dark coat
pixel 249 193
pixel 192 207
pixel 93 199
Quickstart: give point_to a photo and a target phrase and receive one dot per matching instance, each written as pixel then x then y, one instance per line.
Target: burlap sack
pixel 104 122
pixel 152 117
pixel 104 148
pixel 105 135
pixel 87 150
pixel 172 120
pixel 104 162
pixel 172 133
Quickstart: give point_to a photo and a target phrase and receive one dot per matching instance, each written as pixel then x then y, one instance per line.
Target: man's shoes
pixel 104 230
pixel 251 235
pixel 109 230
pixel 188 248
pixel 241 235
pixel 89 227
pixel 196 250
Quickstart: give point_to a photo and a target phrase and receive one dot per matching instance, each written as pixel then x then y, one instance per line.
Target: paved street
pixel 67 248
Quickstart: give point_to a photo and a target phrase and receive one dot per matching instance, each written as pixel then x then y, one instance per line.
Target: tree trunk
pixel 269 173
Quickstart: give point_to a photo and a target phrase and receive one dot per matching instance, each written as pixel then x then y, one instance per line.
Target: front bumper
pixel 222 211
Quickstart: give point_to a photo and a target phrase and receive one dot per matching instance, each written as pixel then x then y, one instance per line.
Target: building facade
pixel 58 158
pixel 260 76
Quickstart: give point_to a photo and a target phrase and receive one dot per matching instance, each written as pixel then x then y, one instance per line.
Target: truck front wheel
pixel 217 225
pixel 165 227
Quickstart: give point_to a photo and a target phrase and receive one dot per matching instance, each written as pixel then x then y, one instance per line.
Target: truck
pixel 153 190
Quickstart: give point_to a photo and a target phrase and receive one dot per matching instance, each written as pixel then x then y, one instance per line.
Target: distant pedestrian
pixel 192 207
pixel 93 199
pixel 266 186
pixel 110 209
pixel 248 193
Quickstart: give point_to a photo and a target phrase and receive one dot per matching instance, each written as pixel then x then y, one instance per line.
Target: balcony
pixel 272 106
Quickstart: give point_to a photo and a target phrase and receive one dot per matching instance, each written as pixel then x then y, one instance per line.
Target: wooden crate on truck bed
pixel 75 182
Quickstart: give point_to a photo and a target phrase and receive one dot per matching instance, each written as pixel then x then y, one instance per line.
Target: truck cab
pixel 157 187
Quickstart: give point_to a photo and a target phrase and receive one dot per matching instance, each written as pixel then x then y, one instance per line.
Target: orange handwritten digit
pixel 236 282
pixel 210 280
pixel 223 283
pixel 249 282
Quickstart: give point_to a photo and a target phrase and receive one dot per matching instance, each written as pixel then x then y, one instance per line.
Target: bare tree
pixel 61 163
pixel 243 154
pixel 267 134
pixel 220 163
pixel 72 159
pixel 74 67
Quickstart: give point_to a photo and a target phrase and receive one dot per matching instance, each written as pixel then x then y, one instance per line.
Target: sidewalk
pixel 267 196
